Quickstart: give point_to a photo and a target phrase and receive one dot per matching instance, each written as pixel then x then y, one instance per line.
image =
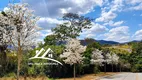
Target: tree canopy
pixel 73 25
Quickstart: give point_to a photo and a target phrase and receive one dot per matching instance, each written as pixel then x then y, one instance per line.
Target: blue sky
pixel 115 20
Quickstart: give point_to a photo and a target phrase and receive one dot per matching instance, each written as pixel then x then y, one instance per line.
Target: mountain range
pixel 103 42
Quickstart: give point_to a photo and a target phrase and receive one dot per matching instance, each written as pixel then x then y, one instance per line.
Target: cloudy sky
pixel 115 20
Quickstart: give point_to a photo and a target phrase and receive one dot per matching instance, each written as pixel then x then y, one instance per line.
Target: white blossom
pixel 72 53
pixel 111 58
pixel 4 33
pixel 97 57
pixel 114 58
pixel 23 22
pixel 108 58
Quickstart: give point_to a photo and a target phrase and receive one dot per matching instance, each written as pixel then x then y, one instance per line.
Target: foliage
pixel 50 40
pixel 10 67
pixel 71 28
pixel 18 28
pixel 95 45
pixel 49 70
pixel 87 66
pixel 136 57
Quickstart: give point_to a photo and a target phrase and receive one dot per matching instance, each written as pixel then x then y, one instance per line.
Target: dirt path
pixel 89 76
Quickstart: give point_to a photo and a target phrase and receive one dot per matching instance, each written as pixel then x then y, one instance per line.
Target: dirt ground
pixel 90 76
pixel 84 77
pixel 28 78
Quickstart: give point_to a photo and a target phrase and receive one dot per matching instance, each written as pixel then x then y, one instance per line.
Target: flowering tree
pixel 24 28
pixel 72 54
pixel 97 57
pixel 107 59
pixel 114 59
pixel 4 40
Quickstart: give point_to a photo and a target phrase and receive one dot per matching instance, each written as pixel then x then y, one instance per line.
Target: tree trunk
pixel 115 68
pixel 5 61
pixel 95 69
pixel 105 68
pixel 74 71
pixel 112 67
pixel 3 58
pixel 120 67
pixel 19 53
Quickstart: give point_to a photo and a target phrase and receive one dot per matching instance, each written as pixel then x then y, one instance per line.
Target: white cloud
pixel 106 16
pixel 137 7
pixel 117 23
pixel 119 34
pixel 133 2
pixel 90 35
pixel 111 23
pixel 133 5
pixel 108 12
pixel 117 5
pixel 42 34
pixel 138 35
pixel 51 10
pixel 48 23
pixel 50 20
pixel 55 8
pixel 96 29
pixel 141 15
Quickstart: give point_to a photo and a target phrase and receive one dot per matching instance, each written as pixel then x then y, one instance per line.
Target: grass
pixel 28 78
pixel 83 77
pixel 123 49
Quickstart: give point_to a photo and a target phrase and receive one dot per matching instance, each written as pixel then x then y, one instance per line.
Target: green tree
pixel 136 57
pixel 94 45
pixel 50 40
pixel 73 25
pixel 87 67
pixel 48 70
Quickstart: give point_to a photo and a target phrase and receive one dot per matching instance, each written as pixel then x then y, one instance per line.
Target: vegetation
pixel 18 28
pixel 72 27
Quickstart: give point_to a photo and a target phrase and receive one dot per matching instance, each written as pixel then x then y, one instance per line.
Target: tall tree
pixel 72 54
pixel 114 60
pixel 23 23
pixel 73 25
pixel 107 57
pixel 5 30
pixel 97 58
